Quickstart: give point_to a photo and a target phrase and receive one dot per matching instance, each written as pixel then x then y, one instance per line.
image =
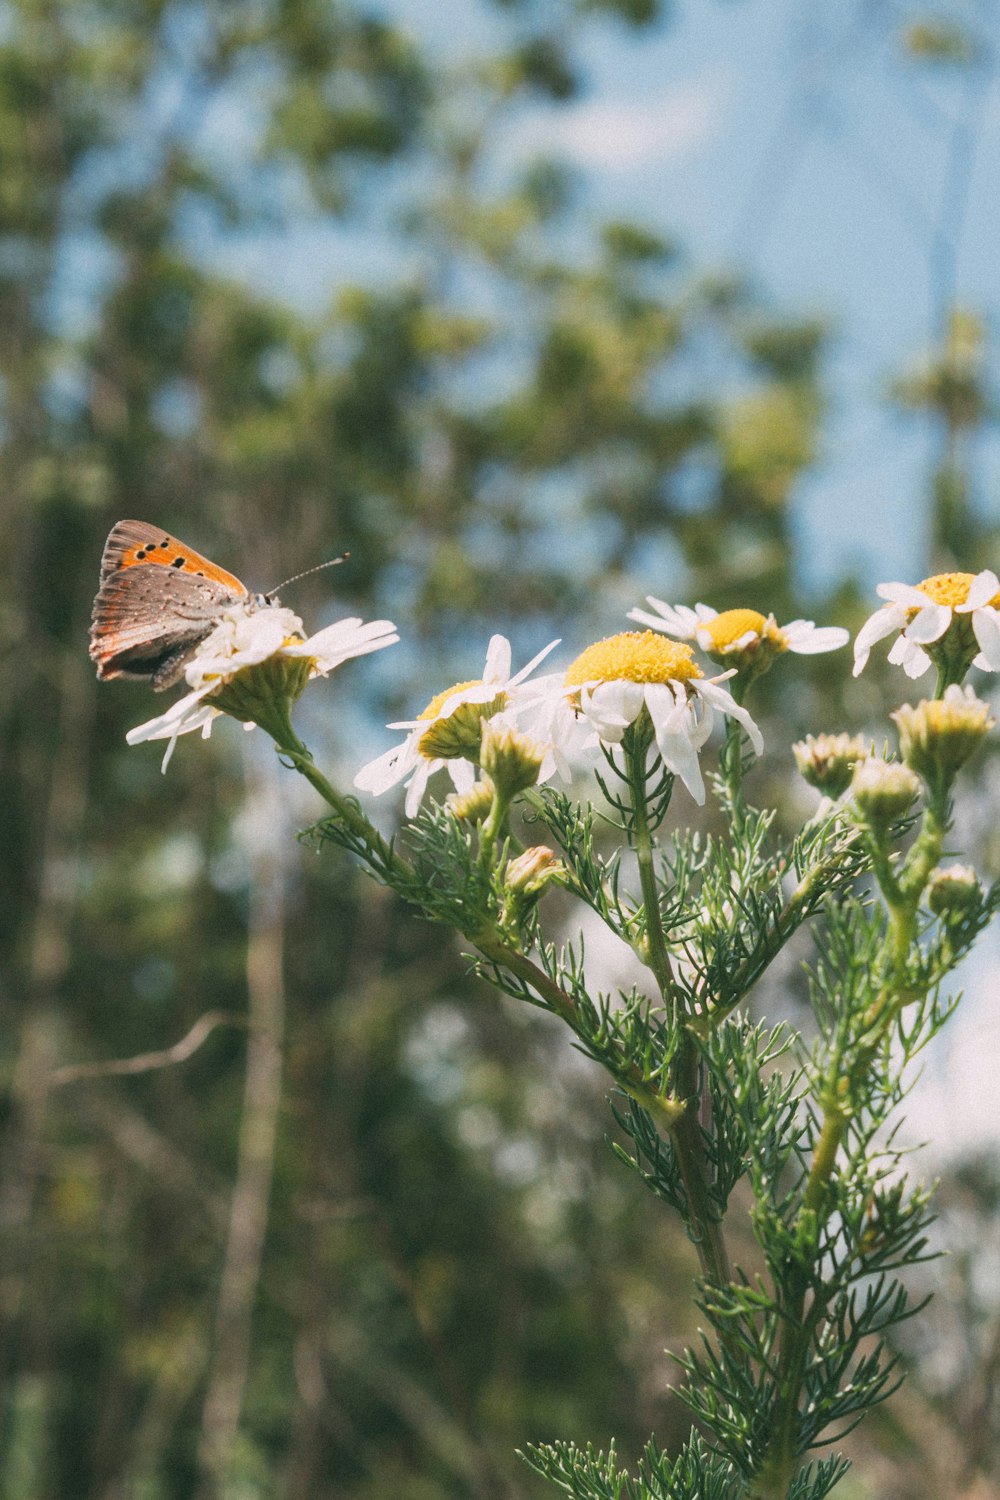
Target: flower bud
pixel 512 760
pixel 474 805
pixel 532 871
pixel 939 735
pixel 953 891
pixel 827 761
pixel 524 880
pixel 883 791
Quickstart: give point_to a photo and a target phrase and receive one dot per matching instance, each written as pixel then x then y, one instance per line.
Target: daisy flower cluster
pixel 559 721
pixel 574 715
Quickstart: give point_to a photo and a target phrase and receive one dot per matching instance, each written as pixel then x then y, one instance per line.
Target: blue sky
pixel 847 180
pixel 798 143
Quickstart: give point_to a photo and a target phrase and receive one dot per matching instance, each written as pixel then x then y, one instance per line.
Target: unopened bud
pixel 474 805
pixel 953 890
pixel 532 871
pixel 883 791
pixel 827 761
pixel 939 735
pixel 511 759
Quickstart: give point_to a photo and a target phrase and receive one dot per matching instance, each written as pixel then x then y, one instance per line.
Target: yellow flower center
pixel 947 588
pixel 436 704
pixel 634 656
pixel 732 625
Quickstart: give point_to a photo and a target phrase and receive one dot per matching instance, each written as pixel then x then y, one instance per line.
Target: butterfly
pixel 157 600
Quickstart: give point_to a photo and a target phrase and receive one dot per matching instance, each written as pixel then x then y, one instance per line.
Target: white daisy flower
pixel 245 638
pixel 738 631
pixel 964 603
pixel 546 714
pixel 447 734
pixel 242 638
pixel 618 678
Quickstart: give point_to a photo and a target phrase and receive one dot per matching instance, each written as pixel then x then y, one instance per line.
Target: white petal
pixel 344 640
pixel 727 704
pixel 882 623
pixel 676 620
pixel 929 624
pixel 911 657
pixel 418 785
pixel 662 701
pixel 702 723
pixel 497 669
pixel 903 593
pixel 657 622
pixel 389 769
pixel 532 697
pixel 187 714
pixel 806 639
pixel 680 756
pixel 984 587
pixel 244 637
pixel 614 706
pixel 610 728
pixel 463 777
pixel 986 625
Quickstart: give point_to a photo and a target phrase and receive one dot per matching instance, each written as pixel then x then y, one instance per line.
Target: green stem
pixel 491 829
pixel 731 766
pixel 787 921
pixel 628 1074
pixel 926 851
pixel 675 1115
pixel 902 895
pixel 782 1459
pixel 655 947
pixel 703 1226
pixel 279 727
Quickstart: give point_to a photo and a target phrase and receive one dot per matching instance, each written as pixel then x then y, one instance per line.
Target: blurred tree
pixel 950 388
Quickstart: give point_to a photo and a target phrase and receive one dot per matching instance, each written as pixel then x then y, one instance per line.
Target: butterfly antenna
pixel 317 569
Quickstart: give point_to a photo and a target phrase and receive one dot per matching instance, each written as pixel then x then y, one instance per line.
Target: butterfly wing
pixel 133 544
pixel 158 598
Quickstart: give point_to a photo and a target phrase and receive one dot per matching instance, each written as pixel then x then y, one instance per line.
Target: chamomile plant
pixel 707 1096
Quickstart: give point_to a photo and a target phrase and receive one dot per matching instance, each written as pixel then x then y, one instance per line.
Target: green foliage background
pixel 368 1238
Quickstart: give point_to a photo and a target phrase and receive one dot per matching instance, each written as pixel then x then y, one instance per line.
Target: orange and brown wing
pixel 157 600
pixel 135 543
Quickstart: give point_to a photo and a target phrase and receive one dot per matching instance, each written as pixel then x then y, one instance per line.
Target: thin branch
pixel 146 1062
